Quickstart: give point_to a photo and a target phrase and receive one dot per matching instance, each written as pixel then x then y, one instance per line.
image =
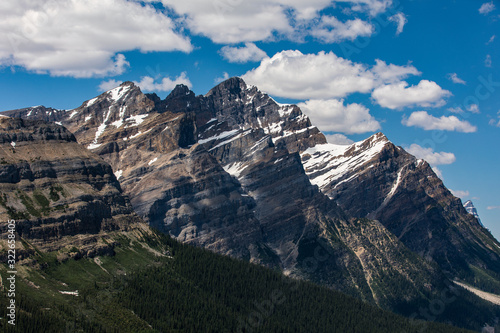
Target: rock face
pixel 375 179
pixel 59 193
pixel 237 173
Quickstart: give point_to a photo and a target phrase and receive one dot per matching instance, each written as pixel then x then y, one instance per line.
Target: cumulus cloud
pixel 292 74
pixel 82 38
pixel 247 53
pixel 332 115
pixel 391 73
pixel 147 83
pixel 428 122
pixel 338 139
pixel 487 8
pixel 400 19
pixel 228 22
pixel 237 21
pixel 460 194
pixel 455 79
pixel 399 95
pixel 331 30
pixel 109 84
pixel 429 155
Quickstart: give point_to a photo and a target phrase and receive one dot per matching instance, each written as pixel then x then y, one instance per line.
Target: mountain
pixel 378 180
pixel 237 173
pixel 86 262
pixel 469 207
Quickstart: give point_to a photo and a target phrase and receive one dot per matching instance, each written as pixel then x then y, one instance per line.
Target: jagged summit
pixel 471 209
pixel 234 85
pixel 180 90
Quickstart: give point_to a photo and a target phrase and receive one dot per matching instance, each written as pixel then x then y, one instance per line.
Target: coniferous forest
pixel 187 289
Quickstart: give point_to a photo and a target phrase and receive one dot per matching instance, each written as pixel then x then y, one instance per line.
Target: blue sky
pixel 426 73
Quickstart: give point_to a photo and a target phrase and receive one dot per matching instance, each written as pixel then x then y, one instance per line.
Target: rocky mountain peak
pixel 233 86
pixel 180 90
pixel 471 209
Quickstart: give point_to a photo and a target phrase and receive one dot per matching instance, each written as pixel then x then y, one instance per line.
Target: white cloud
pixel 147 83
pixel 460 194
pixel 424 120
pixel 338 139
pixel 373 7
pixel 456 109
pixel 400 19
pixel 109 84
pixel 82 38
pixel 331 30
pixel 224 77
pixel 487 7
pixel 392 73
pixel 474 108
pixel 399 95
pixel 492 38
pixel 332 115
pixel 487 61
pixel 432 157
pixel 438 172
pixel 247 53
pixel 455 79
pixel 292 74
pixel 495 122
pixel 492 207
pixel 237 21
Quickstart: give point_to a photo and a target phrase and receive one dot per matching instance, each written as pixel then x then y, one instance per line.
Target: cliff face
pixel 59 193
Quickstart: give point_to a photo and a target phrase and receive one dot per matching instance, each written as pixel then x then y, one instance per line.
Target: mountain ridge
pixel 212 171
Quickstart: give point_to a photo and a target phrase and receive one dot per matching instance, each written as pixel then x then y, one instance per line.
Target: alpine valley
pixel 114 199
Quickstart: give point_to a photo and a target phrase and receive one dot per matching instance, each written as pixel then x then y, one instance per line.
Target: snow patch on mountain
pixel 118 92
pixel 469 207
pixel 328 162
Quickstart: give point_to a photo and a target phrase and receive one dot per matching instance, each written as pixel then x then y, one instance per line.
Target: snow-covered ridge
pixel 118 92
pixel 326 163
pixel 469 207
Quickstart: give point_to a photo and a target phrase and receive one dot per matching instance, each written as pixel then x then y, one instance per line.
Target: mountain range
pixel 241 175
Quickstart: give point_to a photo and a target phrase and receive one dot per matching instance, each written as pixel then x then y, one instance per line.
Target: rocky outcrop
pixel 59 193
